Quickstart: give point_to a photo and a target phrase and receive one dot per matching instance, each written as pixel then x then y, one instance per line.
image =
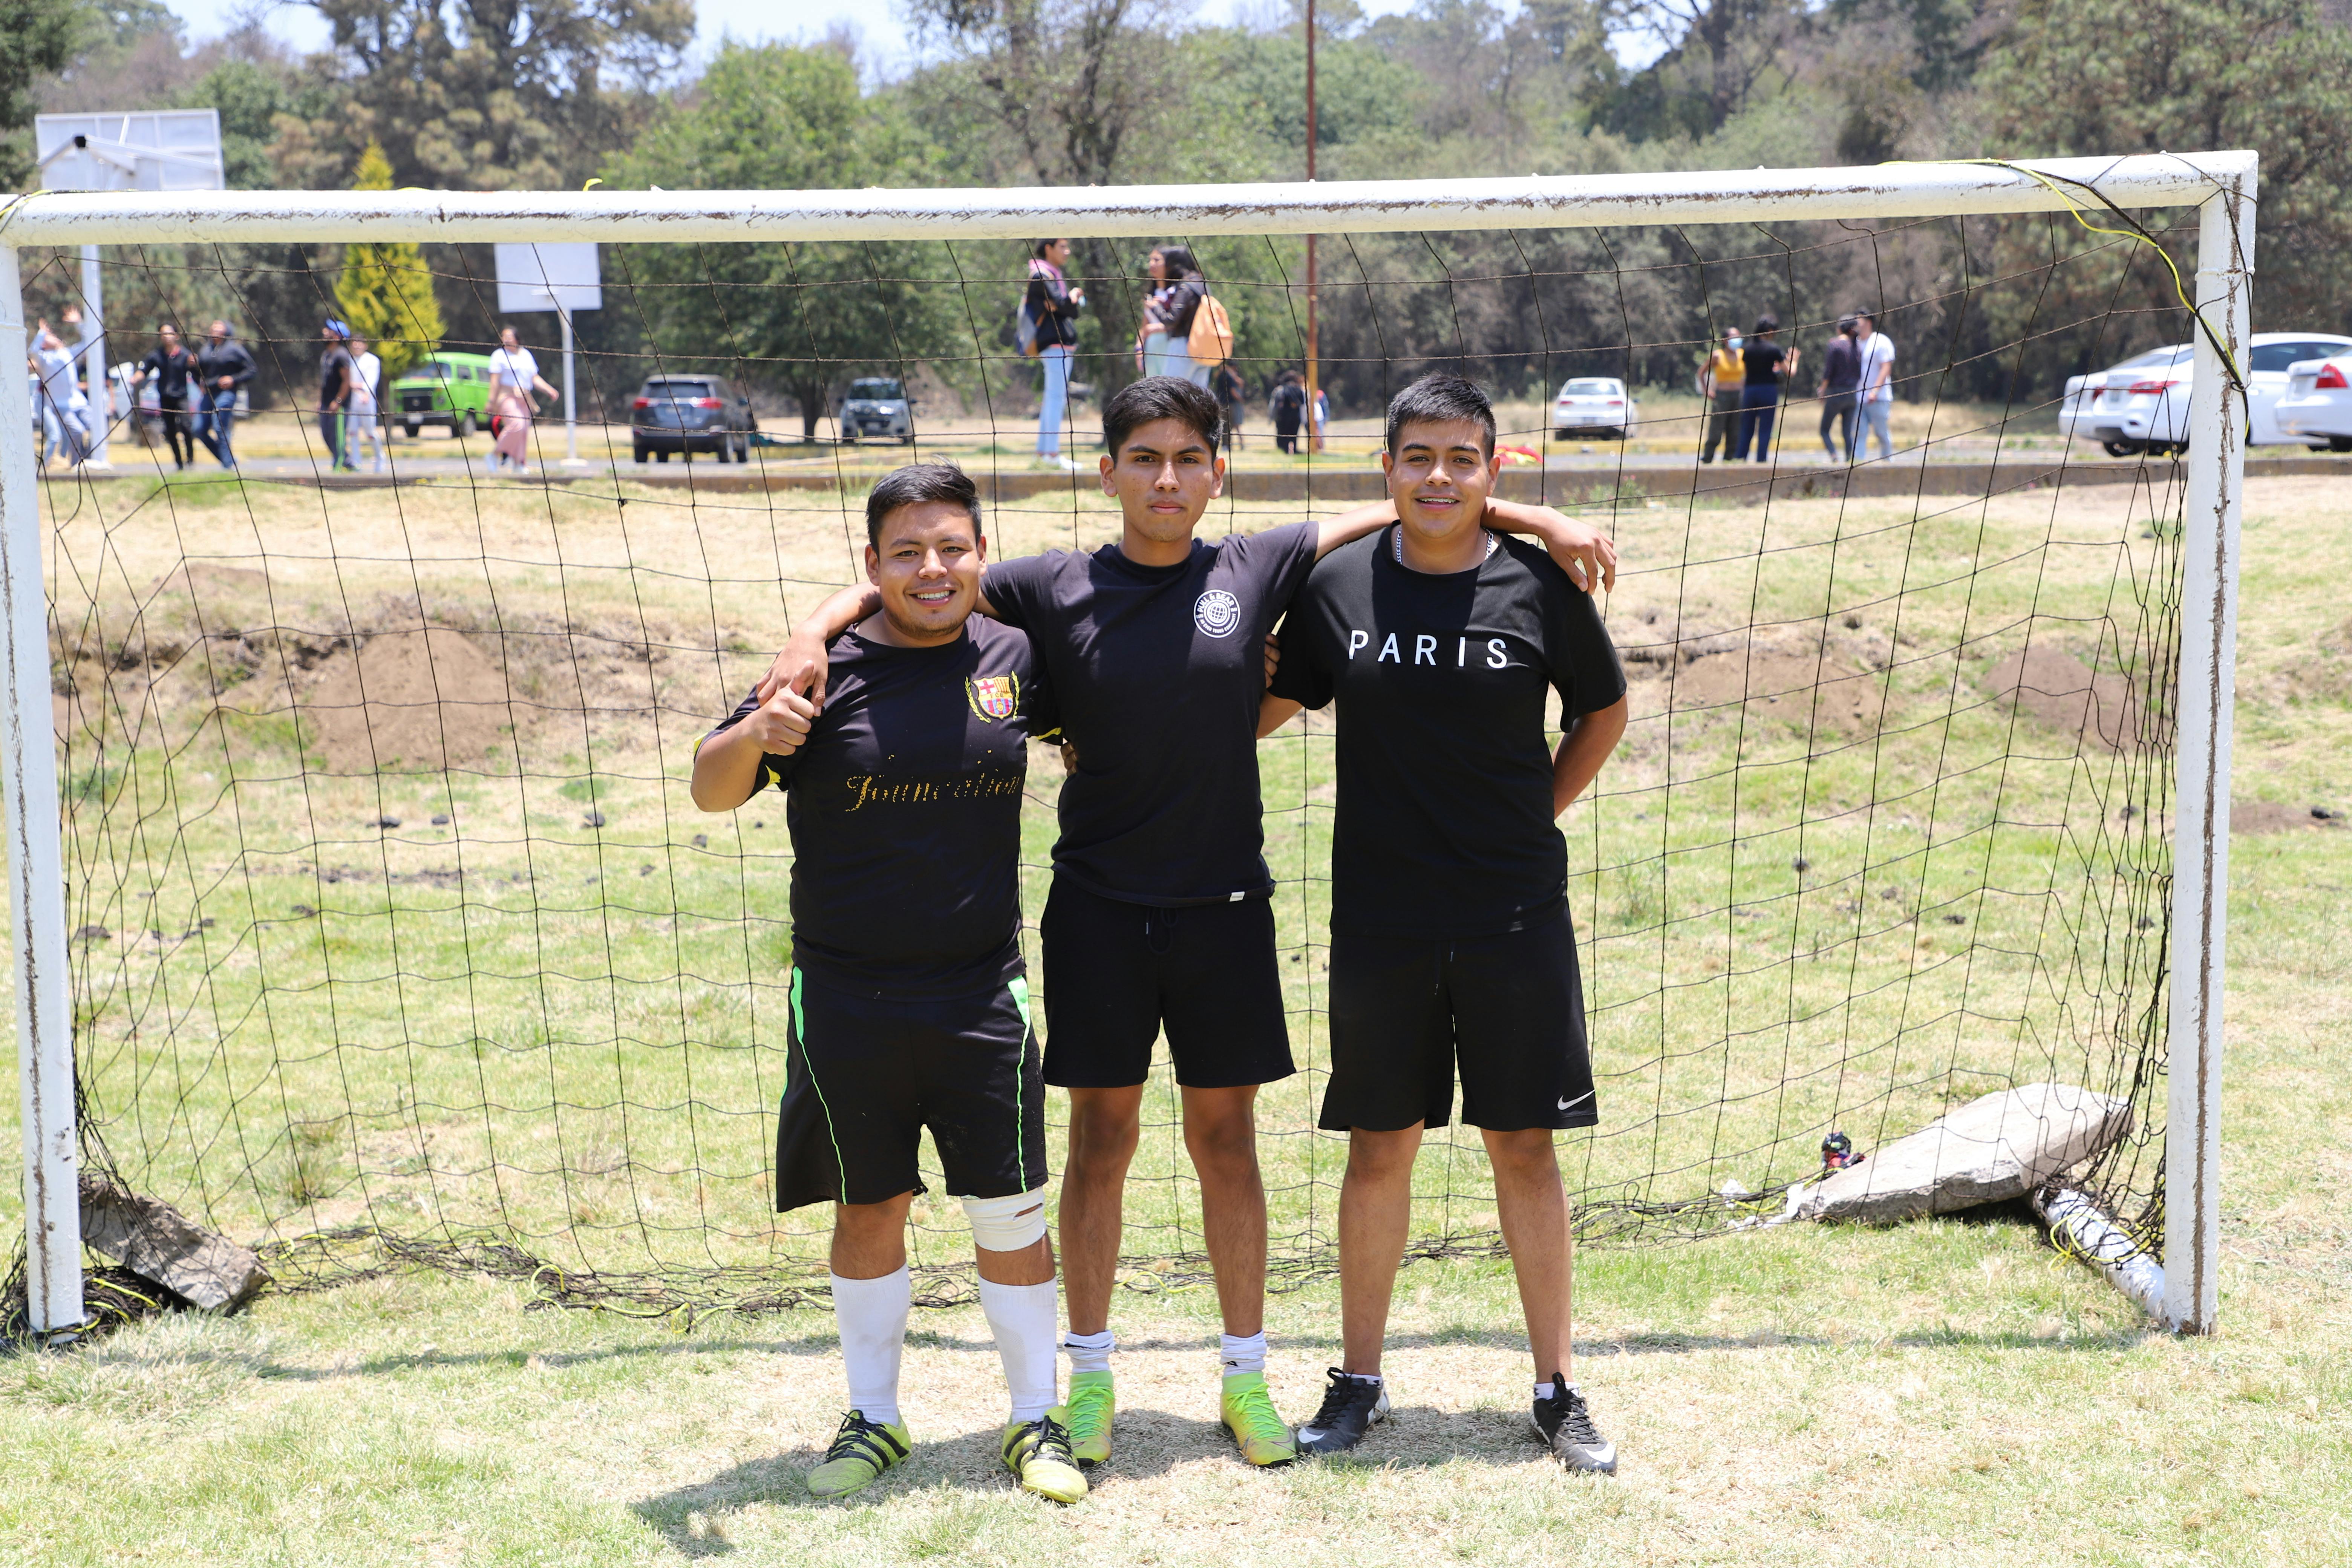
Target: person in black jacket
pixel 222 366
pixel 1178 290
pixel 172 367
pixel 1289 407
pixel 1052 304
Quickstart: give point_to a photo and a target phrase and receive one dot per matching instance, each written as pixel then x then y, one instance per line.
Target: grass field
pixel 517 1039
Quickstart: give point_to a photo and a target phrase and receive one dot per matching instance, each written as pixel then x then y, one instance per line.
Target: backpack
pixel 1211 342
pixel 1025 329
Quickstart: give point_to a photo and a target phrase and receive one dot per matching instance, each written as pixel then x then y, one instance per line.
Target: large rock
pixel 1990 1149
pixel 156 1241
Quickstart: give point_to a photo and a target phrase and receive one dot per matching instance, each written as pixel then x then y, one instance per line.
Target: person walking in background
pixel 1169 318
pixel 367 381
pixel 1875 351
pixel 334 388
pixel 172 367
pixel 64 410
pixel 514 377
pixel 1840 372
pixel 1320 414
pixel 1765 363
pixel 1052 305
pixel 1720 380
pixel 1287 408
pixel 1232 402
pixel 222 366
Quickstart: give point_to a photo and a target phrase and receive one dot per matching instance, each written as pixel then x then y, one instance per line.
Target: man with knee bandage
pixel 910 1002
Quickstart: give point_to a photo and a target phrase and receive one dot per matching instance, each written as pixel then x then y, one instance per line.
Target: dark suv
pixel 692 414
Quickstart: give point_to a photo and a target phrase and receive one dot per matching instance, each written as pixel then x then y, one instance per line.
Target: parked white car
pixel 2318 407
pixel 2144 407
pixel 1593 406
pixel 2076 409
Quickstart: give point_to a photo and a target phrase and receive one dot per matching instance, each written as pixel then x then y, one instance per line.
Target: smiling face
pixel 1165 475
pixel 927 567
pixel 1439 475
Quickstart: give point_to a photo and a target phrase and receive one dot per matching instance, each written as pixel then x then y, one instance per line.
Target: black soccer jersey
pixel 1158 671
pixel 1444 824
pixel 905 811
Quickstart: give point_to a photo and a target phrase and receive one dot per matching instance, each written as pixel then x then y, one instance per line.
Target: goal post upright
pixel 36 890
pixel 2220 184
pixel 2207 680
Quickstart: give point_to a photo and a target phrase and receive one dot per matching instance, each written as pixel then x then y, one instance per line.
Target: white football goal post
pixel 2219 186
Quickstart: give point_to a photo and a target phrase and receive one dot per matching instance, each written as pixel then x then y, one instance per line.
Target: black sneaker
pixel 1351 1405
pixel 1566 1428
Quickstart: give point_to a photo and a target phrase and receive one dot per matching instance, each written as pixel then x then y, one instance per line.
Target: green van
pixel 449 389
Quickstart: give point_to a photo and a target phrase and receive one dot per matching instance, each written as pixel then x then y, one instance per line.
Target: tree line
pixel 549 94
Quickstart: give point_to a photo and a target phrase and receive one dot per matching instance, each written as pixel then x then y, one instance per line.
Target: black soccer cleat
pixel 1567 1429
pixel 1351 1406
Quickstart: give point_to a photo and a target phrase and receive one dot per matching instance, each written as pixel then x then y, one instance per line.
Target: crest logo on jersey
pixel 1217 613
pixel 994 696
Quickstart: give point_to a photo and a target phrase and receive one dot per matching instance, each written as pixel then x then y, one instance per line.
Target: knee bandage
pixel 1006 1225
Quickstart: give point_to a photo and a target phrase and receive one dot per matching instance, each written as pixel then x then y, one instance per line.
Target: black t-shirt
pixel 905 811
pixel 1841 366
pixel 1445 822
pixel 1158 671
pixel 330 373
pixel 169 371
pixel 1763 362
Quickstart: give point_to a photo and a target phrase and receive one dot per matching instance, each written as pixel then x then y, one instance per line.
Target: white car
pixel 2318 407
pixel 2082 399
pixel 2147 409
pixel 1593 406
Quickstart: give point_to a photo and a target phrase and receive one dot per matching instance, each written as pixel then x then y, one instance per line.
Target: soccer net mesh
pixel 396 937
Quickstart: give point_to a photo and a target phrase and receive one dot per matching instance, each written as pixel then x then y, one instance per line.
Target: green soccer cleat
pixel 1249 1417
pixel 1090 1408
pixel 1039 1453
pixel 862 1450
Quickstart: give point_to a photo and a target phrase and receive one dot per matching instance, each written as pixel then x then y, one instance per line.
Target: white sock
pixel 1023 1317
pixel 1243 1354
pixel 872 1314
pixel 1372 1377
pixel 1545 1390
pixel 1089 1352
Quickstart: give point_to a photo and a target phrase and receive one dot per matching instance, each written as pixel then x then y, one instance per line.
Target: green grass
pixel 588 1051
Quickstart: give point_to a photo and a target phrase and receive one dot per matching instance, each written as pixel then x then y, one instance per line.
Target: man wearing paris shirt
pixel 1159 916
pixel 1450 945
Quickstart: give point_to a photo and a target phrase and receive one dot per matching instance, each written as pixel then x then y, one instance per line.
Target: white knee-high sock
pixel 1023 1318
pixel 872 1314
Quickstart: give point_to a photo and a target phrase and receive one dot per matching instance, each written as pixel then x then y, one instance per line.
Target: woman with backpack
pixel 1049 311
pixel 1179 291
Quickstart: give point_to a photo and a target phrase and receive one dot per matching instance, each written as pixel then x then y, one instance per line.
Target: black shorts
pixel 1507 1010
pixel 862 1077
pixel 1116 974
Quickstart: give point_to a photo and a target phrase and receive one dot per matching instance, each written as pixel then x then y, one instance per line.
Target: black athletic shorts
pixel 862 1077
pixel 1508 1011
pixel 1116 974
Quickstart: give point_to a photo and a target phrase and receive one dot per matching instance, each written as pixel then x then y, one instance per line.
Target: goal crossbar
pixel 2220 184
pixel 1350 206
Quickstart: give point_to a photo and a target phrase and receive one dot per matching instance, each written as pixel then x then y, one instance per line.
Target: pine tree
pixel 385 291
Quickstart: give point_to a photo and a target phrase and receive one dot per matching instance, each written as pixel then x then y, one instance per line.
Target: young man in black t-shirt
pixel 1451 946
pixel 910 1003
pixel 1160 918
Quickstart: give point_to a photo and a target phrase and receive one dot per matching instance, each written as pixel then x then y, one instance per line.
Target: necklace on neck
pixel 1396 544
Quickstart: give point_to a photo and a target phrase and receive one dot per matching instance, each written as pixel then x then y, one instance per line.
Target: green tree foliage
pixel 485 94
pixel 385 289
pixel 801 318
pixel 38 38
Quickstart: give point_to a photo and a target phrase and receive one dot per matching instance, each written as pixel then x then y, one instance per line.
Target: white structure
pixel 2220 184
pixel 561 278
pixel 151 150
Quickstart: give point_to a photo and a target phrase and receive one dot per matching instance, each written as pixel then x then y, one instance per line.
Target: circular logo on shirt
pixel 1217 613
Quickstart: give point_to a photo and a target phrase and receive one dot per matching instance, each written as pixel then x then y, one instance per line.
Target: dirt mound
pixel 2060 691
pixel 2269 817
pixel 410 701
pixel 1810 688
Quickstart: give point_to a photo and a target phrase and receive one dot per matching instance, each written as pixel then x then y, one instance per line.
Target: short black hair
pixel 1870 316
pixel 1435 399
pixel 915 484
pixel 1767 324
pixel 1039 252
pixel 1138 403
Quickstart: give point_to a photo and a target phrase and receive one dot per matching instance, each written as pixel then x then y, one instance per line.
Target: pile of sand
pixel 2100 710
pixel 411 701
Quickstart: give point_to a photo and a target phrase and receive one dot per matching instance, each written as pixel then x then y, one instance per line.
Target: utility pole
pixel 1314 429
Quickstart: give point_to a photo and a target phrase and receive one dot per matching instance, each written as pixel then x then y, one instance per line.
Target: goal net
pixel 393 936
